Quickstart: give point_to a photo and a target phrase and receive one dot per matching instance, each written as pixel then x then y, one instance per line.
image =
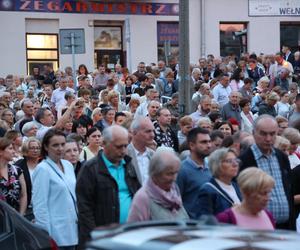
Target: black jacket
pixel 22 163
pixel 266 109
pixel 248 160
pixel 97 195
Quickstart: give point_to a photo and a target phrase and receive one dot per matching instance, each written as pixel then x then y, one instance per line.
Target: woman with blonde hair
pixel 293 136
pixel 31 150
pixel 113 99
pixel 256 186
pixel 268 107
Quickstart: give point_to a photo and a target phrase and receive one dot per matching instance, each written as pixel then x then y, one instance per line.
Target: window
pixel 233 38
pixel 290 35
pixel 42 49
pixel 167 41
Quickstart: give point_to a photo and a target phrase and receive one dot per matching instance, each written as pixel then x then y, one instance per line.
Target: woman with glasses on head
pixel 31 150
pixel 220 192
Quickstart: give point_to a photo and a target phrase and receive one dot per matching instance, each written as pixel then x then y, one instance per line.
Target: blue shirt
pixel 190 179
pixel 118 173
pixel 278 204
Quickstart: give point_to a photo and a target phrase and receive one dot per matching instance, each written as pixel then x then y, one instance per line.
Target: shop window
pixel 108 46
pixel 42 49
pixel 233 38
pixel 290 35
pixel 168 41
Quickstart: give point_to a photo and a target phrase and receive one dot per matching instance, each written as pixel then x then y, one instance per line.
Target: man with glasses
pixel 106 184
pixel 263 155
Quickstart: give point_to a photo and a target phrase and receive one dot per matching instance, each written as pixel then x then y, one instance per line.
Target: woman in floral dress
pixel 12 182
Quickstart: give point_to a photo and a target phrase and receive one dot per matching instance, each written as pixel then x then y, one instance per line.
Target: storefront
pixel 128 32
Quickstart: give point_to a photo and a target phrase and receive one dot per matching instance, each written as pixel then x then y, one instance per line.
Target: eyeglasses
pixel 34 148
pixel 232 161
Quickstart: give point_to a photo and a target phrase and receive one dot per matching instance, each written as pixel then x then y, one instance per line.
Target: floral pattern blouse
pixel 10 189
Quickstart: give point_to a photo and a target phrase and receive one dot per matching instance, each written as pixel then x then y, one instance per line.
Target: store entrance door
pixel 109 58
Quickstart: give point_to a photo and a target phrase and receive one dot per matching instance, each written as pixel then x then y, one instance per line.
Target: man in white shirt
pixel 142 131
pixel 58 95
pixel 222 91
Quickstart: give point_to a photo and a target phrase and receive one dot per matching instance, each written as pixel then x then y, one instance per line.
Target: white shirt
pixel 58 97
pixel 221 94
pixel 143 164
pixel 229 189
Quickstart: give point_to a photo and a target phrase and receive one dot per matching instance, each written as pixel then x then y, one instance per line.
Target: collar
pixel 109 164
pixel 195 165
pixel 138 153
pixel 258 154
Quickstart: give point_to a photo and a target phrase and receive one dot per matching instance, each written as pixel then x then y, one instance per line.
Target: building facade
pixel 38 32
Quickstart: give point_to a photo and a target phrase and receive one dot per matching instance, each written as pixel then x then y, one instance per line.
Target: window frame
pixel 245 24
pixel 41 49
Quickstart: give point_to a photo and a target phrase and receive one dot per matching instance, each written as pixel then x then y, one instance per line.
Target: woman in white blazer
pixel 53 195
pixel 247 118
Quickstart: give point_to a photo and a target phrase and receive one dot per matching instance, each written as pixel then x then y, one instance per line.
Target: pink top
pixel 260 221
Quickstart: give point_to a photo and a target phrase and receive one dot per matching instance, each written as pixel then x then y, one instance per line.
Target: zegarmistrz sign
pixel 274 7
pixel 91 7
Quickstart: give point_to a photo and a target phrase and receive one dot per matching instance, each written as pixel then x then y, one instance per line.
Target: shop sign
pixel 91 7
pixel 274 7
pixel 168 31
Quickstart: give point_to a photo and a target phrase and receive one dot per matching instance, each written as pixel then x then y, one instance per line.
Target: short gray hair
pixel 28 126
pixel 96 111
pixel 109 132
pixel 159 162
pixel 215 160
pixel 262 117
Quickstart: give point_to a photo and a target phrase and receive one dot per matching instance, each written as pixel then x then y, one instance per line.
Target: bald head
pixel 264 132
pixel 115 142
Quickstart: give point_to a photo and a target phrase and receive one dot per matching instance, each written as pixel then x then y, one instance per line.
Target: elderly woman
pixel 96 115
pixel 268 107
pixel 8 116
pixel 220 192
pixel 293 136
pixel 159 198
pixel 283 107
pixel 247 118
pixel 205 123
pixel 114 100
pixel 31 150
pixel 256 186
pixel 260 90
pixel 72 154
pixel 185 124
pixel 29 130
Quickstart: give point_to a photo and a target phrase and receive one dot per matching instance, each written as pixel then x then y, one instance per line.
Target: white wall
pixel 263 32
pixel 13 44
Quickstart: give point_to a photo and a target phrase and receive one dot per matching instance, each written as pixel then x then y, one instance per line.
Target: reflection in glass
pixel 42 54
pixel 42 41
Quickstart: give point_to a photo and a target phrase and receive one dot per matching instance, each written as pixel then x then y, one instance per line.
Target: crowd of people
pixel 112 146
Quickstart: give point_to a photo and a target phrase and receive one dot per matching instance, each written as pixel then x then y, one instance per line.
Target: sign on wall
pixel 274 7
pixel 85 6
pixel 168 31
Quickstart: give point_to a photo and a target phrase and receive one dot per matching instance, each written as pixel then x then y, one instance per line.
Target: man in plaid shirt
pixel 263 155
